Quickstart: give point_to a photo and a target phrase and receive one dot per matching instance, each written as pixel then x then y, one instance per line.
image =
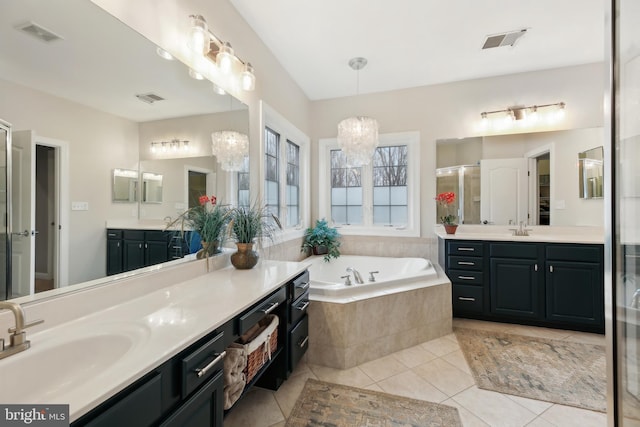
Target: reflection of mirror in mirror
pixel 125 186
pixel 591 173
pixel 553 192
pixel 151 187
pixel 464 181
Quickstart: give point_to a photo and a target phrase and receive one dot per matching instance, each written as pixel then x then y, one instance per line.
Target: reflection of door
pixel 23 214
pixel 5 262
pixel 503 191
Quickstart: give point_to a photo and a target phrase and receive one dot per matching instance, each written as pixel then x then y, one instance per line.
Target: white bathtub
pixel 394 275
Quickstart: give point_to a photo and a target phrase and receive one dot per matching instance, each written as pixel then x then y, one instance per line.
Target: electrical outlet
pixel 79 206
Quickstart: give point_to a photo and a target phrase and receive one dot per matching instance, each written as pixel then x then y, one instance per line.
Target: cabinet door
pixel 114 257
pixel 515 289
pixel 155 252
pixel 575 292
pixel 133 254
pixel 204 409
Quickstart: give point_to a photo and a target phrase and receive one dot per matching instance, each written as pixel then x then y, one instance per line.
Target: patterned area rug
pixel 323 404
pixel 555 371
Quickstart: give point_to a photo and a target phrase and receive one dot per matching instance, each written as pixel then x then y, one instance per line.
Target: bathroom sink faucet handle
pixel 18 337
pixel 372 278
pixel 347 279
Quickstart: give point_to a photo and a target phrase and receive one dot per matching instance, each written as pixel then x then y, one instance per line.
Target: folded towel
pixel 234 363
pixel 232 393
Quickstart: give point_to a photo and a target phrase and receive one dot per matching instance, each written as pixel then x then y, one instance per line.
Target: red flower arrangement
pixel 445 200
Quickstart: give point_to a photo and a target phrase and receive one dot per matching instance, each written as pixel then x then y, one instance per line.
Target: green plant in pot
pixel 322 240
pixel 248 226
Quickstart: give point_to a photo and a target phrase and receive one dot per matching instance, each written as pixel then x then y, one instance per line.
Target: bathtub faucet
pixel 356 275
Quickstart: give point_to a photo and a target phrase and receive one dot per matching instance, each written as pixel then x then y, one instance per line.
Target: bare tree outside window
pixel 271 182
pixel 293 184
pixel 346 190
pixel 390 197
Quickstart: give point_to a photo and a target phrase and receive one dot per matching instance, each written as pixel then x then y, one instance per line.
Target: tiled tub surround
pixel 347 334
pixel 167 310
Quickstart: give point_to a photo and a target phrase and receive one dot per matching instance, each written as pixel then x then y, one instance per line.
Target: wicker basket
pixel 260 349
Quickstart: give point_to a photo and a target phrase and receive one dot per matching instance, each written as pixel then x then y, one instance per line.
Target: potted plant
pixel 250 225
pixel 209 219
pixel 445 200
pixel 322 240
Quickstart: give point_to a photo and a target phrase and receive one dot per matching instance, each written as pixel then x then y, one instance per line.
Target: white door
pixel 503 191
pixel 23 213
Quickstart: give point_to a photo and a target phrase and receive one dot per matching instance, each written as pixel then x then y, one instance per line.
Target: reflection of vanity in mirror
pixel 491 178
pixel 97 128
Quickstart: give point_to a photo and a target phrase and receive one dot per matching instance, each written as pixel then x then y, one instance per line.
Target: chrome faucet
pixel 18 337
pixel 347 280
pixel 521 231
pixel 356 275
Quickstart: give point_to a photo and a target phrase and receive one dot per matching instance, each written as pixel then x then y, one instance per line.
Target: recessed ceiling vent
pixel 39 32
pixel 149 98
pixel 503 39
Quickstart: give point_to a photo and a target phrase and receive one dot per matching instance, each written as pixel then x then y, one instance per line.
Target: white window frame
pixel 412 229
pixel 288 132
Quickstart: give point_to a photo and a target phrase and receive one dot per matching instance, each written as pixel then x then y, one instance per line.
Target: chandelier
pixel 230 148
pixel 358 136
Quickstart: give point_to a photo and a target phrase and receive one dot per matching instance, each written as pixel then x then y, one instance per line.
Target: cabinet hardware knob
pixel 466 299
pixel 551 269
pixel 303 307
pixel 303 285
pixel 466 249
pixel 535 267
pixel 466 263
pixel 271 307
pixel 203 371
pixel 466 277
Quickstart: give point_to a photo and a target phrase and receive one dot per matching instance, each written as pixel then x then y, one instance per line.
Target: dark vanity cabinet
pixel 131 249
pixel 547 284
pixel 188 389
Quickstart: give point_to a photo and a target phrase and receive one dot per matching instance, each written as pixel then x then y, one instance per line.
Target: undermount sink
pixel 60 364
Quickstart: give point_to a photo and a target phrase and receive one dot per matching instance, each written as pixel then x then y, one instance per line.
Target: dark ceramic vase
pixel 320 250
pixel 245 257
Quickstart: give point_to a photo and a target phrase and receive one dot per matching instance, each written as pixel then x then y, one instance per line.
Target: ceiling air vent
pixel 149 98
pixel 38 31
pixel 503 39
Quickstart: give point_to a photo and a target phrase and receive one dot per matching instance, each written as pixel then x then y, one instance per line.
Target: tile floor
pixel 435 371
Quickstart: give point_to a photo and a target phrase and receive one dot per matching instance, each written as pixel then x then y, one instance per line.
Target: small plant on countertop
pixel 322 239
pixel 446 200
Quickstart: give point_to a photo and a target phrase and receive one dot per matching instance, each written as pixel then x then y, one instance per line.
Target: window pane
pixel 338 178
pixel 272 192
pixel 381 215
pixel 292 216
pixel 354 177
pixel 354 215
pixel 398 215
pixel 380 196
pixel 398 196
pixel 354 196
pixel 338 196
pixel 243 198
pixel 339 214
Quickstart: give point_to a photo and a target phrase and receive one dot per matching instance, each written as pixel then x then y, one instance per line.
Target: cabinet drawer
pixel 133 234
pixel 582 253
pixel 513 250
pixel 202 363
pixel 139 407
pixel 299 342
pixel 204 409
pixel 114 234
pixel 467 299
pixel 465 248
pixel 300 285
pixel 465 263
pixel 299 308
pixel 156 236
pixel 466 277
pixel 253 315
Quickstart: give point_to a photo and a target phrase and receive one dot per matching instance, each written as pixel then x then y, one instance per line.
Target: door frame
pixel 532 157
pixel 6 126
pixel 61 238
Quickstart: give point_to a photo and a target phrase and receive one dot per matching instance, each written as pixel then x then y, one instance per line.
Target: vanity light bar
pixel 203 42
pixel 174 145
pixel 523 115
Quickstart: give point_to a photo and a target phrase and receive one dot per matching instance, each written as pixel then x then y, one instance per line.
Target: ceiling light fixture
pixel 523 116
pixel 164 54
pixel 358 135
pixel 230 148
pixel 203 42
pixel 174 146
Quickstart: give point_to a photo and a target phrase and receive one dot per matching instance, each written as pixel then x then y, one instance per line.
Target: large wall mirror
pixel 528 177
pixel 591 173
pixel 94 90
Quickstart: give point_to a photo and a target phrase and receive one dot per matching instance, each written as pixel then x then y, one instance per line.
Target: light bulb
pixel 195 75
pixel 198 35
pixel 153 147
pixel 247 78
pixel 164 54
pixel 225 57
pixel 217 89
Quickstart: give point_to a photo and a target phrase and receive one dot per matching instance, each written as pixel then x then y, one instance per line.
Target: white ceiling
pixel 411 43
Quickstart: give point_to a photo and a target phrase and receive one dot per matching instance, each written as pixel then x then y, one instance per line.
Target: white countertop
pixel 539 233
pixel 133 337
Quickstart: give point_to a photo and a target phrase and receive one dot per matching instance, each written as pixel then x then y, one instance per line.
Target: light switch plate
pixel 79 206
